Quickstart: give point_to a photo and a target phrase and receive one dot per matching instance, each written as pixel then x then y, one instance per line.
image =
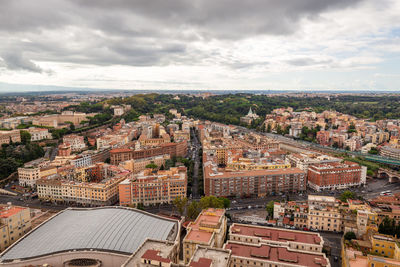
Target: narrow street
pixel 195 157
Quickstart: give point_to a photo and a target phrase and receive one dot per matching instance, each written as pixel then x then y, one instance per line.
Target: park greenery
pixel 229 108
pixel 14 155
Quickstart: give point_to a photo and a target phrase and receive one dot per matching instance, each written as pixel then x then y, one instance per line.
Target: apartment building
pixel 76 142
pixel 64 118
pixel 38 134
pixel 377 250
pixel 81 161
pixel 118 155
pixel 138 165
pixel 33 171
pixel 10 136
pixel 181 135
pixel 208 230
pixel 247 255
pixel 295 240
pixel 262 163
pixel 89 157
pixel 384 245
pixel 114 140
pixel 390 152
pixel 219 182
pixel 323 213
pixel 91 186
pixel 148 187
pixel 15 222
pixel 64 150
pixel 304 160
pixel 335 175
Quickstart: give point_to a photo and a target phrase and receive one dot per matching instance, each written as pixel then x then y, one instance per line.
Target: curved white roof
pixel 114 229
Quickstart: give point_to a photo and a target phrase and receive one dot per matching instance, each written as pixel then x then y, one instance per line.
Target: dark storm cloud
pixel 141 32
pixel 16 61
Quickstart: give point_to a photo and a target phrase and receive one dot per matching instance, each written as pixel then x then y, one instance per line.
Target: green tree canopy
pixel 180 204
pixel 270 208
pixel 347 195
pixel 152 166
pixel 25 137
pixel 193 210
pixel 350 235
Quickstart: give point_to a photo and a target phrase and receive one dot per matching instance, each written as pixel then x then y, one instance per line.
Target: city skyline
pixel 257 45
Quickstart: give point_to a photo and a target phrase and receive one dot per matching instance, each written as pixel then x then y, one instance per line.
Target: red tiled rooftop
pixel 286 220
pixel 276 254
pixel 202 262
pixel 151 254
pixel 119 150
pixel 274 234
pixel 5 213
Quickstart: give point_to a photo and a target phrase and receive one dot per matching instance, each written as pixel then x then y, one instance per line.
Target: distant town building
pixel 249 117
pixel 38 134
pixel 77 142
pixel 32 171
pixel 7 137
pixel 390 152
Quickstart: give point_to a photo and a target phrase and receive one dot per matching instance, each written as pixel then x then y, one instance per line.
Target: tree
pixel 352 128
pixel 373 151
pixel 193 210
pixel 225 201
pixel 140 206
pixel 279 129
pixel 151 166
pixel 25 137
pixel 347 195
pixel 180 204
pixel 268 128
pixel 263 128
pixel 270 208
pixel 8 166
pixel 211 202
pixel 350 235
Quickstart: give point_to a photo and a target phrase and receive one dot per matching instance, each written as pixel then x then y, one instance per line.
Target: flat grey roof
pixel 115 229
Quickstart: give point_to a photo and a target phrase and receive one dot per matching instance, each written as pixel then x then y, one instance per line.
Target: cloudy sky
pixel 202 44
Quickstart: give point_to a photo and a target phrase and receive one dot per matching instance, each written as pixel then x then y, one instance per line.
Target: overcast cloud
pixel 173 44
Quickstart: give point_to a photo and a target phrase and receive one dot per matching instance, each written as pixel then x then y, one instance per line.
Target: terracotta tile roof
pixel 275 234
pixel 151 254
pixel 276 254
pixel 5 213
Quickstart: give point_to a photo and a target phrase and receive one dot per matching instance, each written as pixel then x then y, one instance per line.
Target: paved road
pixel 334 241
pixel 195 157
